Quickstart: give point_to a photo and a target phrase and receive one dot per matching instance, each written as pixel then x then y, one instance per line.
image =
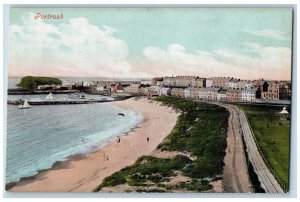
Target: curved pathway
pixel 266 178
pixel 235 173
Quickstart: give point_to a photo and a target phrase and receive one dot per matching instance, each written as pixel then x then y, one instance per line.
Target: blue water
pixel 42 135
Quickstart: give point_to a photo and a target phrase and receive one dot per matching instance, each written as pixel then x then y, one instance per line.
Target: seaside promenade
pixel 235 171
pixel 266 178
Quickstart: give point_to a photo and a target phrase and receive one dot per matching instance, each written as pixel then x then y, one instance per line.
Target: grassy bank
pixel 272 133
pixel 200 131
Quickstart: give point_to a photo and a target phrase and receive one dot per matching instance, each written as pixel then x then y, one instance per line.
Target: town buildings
pixel 212 93
pixel 233 84
pixel 248 94
pixel 234 95
pixel 164 91
pixel 117 88
pixel 277 91
pixel 209 83
pixel 202 94
pixel 221 82
pixel 222 95
pixel 194 87
pixel 198 82
pixel 177 92
pixel 133 88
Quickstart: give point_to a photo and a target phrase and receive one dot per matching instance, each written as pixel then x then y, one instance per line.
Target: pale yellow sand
pixel 85 174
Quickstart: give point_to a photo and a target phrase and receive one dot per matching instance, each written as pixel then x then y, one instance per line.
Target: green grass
pixel 273 137
pixel 201 130
pixel 191 186
pixel 146 171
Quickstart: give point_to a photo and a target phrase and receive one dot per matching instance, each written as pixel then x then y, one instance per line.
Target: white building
pixel 187 92
pixel 212 93
pixel 153 90
pixel 67 83
pixel 164 91
pixel 209 83
pixel 248 95
pixel 242 84
pixel 100 88
pixel 87 83
pixel 233 84
pixel 221 95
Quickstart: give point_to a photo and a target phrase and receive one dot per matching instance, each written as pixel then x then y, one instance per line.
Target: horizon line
pixel 97 77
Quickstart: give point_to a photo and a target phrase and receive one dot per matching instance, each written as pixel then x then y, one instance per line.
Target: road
pixel 266 178
pixel 235 173
pixel 234 179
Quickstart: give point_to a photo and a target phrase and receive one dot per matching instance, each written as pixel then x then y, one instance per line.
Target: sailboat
pixel 25 105
pixel 49 97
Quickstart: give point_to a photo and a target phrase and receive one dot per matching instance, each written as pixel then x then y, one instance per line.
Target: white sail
pixel 25 105
pixel 49 97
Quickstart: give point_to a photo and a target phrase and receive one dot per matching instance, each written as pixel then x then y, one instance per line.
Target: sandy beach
pixel 83 173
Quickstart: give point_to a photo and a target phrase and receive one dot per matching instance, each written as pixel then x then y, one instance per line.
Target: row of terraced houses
pixel 220 88
pixel 215 88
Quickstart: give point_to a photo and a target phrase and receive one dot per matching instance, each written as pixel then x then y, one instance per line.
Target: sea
pixel 38 137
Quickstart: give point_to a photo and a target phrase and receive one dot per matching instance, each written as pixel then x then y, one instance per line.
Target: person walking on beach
pixel 147 139
pixel 104 157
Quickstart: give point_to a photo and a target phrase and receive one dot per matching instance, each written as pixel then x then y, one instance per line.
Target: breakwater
pixel 64 102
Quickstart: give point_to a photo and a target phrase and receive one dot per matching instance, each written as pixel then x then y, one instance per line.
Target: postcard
pixel 167 100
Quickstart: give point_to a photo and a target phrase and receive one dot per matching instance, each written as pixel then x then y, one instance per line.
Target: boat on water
pixel 82 96
pixel 121 114
pixel 49 97
pixel 25 105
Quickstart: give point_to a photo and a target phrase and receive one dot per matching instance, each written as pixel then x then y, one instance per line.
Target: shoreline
pixel 55 166
pixel 113 155
pixel 62 164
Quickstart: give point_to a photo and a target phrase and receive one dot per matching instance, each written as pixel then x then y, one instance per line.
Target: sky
pixel 246 43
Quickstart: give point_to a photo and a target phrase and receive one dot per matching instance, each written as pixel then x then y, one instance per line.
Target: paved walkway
pixel 266 178
pixel 235 172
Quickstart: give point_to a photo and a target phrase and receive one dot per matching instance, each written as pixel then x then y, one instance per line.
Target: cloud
pixel 259 61
pixel 79 48
pixel 76 48
pixel 269 33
